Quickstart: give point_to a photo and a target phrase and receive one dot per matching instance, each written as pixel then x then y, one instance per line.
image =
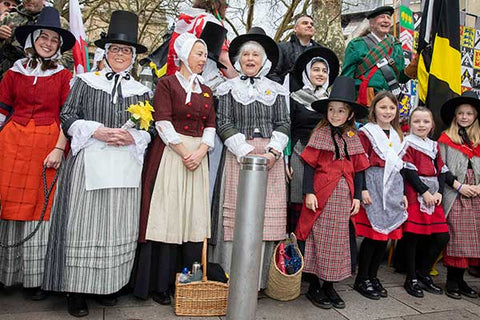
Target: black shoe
pixel 366 289
pixel 377 285
pixel 467 291
pixel 334 298
pixel 162 298
pixel 318 298
pixel 426 283
pixel 77 305
pixel 413 289
pixel 38 294
pixel 107 300
pixel 453 293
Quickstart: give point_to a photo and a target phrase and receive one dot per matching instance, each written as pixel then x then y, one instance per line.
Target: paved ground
pixel 399 305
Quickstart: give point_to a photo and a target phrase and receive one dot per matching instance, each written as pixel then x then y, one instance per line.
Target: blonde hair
pixel 422 109
pixel 395 123
pixel 473 131
pixel 349 125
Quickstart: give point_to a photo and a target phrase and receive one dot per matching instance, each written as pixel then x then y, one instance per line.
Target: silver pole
pixel 247 239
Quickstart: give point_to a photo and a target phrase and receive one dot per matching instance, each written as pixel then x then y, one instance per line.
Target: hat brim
pixel 138 47
pixel 308 55
pixel 270 47
pixel 359 110
pixel 447 112
pixel 68 39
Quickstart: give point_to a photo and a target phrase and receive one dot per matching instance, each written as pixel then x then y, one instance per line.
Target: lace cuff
pixel 208 137
pixel 278 142
pixel 237 145
pixel 167 132
pixel 142 139
pixel 81 132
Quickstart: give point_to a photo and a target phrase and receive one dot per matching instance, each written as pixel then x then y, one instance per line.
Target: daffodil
pixel 141 112
pixel 350 133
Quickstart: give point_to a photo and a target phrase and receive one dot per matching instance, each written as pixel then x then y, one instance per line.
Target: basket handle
pixel 204 260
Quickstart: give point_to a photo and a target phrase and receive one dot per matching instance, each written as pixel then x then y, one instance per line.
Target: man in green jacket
pixel 24 14
pixel 376 60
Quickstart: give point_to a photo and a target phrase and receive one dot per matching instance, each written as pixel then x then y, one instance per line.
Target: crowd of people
pixel 133 203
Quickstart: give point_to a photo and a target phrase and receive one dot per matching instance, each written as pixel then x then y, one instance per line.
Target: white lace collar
pixel 427 146
pixel 98 80
pixel 381 143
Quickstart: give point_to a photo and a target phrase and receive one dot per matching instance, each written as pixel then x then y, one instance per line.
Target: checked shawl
pixel 375 54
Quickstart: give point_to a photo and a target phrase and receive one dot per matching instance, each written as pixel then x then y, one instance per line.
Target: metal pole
pixel 247 239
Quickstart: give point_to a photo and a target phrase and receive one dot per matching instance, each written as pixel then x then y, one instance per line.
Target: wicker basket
pixel 280 286
pixel 201 298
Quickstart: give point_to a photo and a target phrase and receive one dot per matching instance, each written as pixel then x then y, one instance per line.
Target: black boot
pixel 77 305
pixel 366 289
pixel 316 295
pixel 426 283
pixel 377 285
pixel 333 296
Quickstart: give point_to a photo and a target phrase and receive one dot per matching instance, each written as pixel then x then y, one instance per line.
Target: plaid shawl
pixel 375 54
pixel 322 139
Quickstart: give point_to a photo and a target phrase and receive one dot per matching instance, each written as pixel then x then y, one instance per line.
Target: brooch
pixel 350 134
pixel 206 95
pixel 268 92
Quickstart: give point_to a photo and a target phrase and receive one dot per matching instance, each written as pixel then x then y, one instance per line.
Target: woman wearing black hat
pixel 334 162
pixel 97 208
pixel 252 118
pixel 32 93
pixel 460 148
pixel 315 69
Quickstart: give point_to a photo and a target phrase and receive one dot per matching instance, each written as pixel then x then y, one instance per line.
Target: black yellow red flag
pixel 439 66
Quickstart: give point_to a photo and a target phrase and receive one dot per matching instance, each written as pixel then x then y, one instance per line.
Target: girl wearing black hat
pixel 32 94
pixel 315 69
pixel 252 118
pixel 97 208
pixel 334 162
pixel 460 147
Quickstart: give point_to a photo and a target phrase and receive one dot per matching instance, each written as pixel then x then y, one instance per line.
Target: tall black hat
pixel 343 90
pixel 314 52
pixel 123 29
pixel 49 18
pixel 214 36
pixel 380 10
pixel 256 34
pixel 447 111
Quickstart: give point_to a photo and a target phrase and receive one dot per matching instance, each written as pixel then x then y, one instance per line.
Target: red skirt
pixel 364 228
pixel 23 150
pixel 421 223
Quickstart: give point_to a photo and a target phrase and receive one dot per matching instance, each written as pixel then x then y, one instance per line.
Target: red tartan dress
pixel 463 219
pixel 327 248
pixel 419 222
pixel 362 224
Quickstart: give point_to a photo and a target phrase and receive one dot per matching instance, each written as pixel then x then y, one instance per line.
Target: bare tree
pixel 328 27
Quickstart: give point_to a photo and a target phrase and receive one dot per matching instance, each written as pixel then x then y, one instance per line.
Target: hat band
pixel 120 37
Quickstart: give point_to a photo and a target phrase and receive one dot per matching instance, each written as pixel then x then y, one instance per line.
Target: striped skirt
pixel 23 264
pixel 327 248
pixel 93 234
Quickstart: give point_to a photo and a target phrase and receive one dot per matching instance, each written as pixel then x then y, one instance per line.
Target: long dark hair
pixel 46 64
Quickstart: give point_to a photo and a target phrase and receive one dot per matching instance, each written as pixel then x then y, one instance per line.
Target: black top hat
pixel 256 34
pixel 343 90
pixel 314 52
pixel 214 36
pixel 380 10
pixel 49 18
pixel 123 29
pixel 447 111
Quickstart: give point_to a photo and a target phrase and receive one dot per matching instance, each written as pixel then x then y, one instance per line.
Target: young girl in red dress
pixel 460 148
pixel 333 158
pixel 383 199
pixel 425 232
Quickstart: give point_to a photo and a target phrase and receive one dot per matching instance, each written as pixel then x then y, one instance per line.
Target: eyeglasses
pixel 8 4
pixel 117 49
